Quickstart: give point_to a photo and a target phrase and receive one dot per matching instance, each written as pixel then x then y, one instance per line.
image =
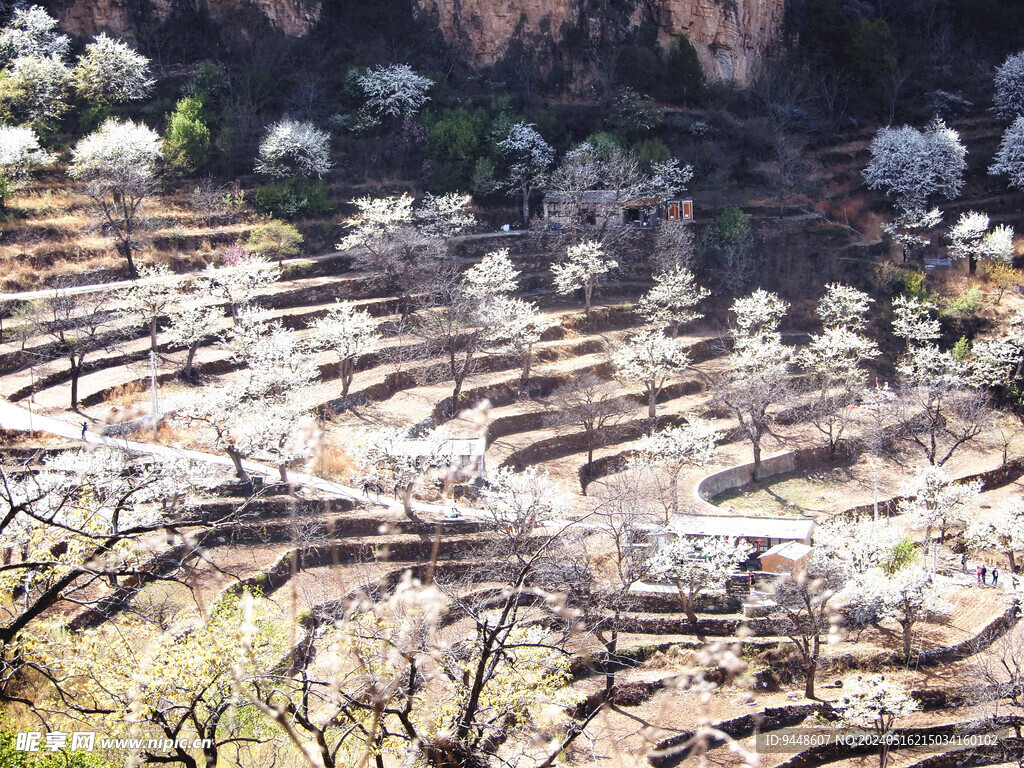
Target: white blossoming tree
pixel 394 92
pixel 394 461
pixel 834 360
pixel 971 239
pixel 263 411
pixel 757 378
pixel 118 165
pixel 444 216
pixel 913 321
pixel 495 275
pixel 19 154
pixel 854 547
pixel 349 333
pixel 190 324
pixel 1000 529
pixel 294 149
pixel 238 284
pixel 35 92
pixel 397 243
pixel 650 358
pixel 515 325
pixel 512 324
pixel 1009 160
pixel 877 703
pixel 697 564
pixel 111 72
pixel 811 606
pixel 32 32
pixel 1009 87
pixel 907 596
pixel 912 166
pixel 940 406
pixel 152 297
pixel 936 501
pixel 518 502
pixel 694 444
pixel 528 158
pixel 582 268
pixel 76 325
pixel 79 523
pixel 670 303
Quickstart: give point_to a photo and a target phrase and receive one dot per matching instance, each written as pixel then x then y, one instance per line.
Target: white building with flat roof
pixel 762 533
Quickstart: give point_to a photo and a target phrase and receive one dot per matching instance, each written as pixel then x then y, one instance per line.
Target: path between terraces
pixel 19 419
pixel 98 287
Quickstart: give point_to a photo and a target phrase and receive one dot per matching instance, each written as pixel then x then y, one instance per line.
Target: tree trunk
pixel 757 459
pixel 908 639
pixel 283 470
pixel 187 370
pixel 126 250
pixel 652 400
pixel 527 358
pixel 239 469
pixel 456 391
pixel 526 205
pixel 405 494
pixel 1013 561
pixel 76 371
pixel 811 671
pixel 152 335
pixel 691 614
pixel 588 291
pixel 347 373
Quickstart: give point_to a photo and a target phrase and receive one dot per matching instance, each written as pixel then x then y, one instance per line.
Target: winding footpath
pixel 16 418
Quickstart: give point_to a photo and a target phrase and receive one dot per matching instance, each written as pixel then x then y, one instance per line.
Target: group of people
pixel 983 575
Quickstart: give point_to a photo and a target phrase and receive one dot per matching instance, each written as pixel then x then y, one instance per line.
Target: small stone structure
pixel 787 557
pixel 605 207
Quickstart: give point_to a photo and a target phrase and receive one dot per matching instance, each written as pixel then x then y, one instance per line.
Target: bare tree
pixel 77 324
pixel 591 404
pixel 809 606
pixel 454 326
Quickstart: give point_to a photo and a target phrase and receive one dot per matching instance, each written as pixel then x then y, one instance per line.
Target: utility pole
pixel 156 396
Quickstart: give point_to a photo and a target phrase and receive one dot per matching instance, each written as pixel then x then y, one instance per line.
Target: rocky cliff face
pixel 122 18
pixel 730 36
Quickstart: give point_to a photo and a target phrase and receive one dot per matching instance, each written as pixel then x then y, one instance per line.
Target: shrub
pixel 187 141
pixel 914 286
pixel 288 199
pixel 966 305
pixel 274 240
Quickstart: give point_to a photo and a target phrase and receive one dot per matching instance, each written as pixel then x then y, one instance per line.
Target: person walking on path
pixel 995 576
pixel 85 427
pixel 984 573
pixel 979 574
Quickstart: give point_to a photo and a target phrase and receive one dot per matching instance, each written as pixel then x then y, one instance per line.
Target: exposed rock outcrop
pixel 533 37
pixel 730 36
pixel 122 18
